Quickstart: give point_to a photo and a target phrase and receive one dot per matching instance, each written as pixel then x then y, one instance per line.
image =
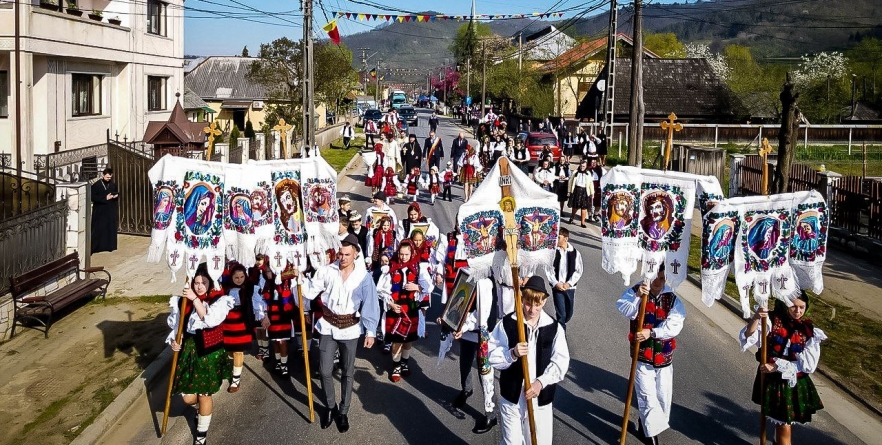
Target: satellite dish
pixel 601 85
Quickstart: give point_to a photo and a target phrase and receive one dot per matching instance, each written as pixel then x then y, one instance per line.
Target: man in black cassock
pixel 105 213
pixel 412 154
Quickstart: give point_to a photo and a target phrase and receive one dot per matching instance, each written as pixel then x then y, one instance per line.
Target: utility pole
pixel 19 160
pixel 520 66
pixel 469 77
pixel 364 67
pixel 309 87
pixel 609 92
pixel 636 109
pixel 483 77
pixel 377 90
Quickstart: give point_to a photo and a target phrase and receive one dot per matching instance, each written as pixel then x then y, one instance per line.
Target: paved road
pixel 712 379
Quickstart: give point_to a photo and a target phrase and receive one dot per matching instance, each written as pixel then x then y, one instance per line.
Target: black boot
pixel 485 424
pixel 343 423
pixel 328 417
pixel 462 398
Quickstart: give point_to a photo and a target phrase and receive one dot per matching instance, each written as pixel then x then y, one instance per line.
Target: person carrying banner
pixel 793 355
pixel 237 326
pixel 406 295
pixel 202 364
pixel 548 356
pixel 473 333
pixel 350 309
pixel 664 319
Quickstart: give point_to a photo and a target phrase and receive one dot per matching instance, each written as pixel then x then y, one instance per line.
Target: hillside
pixel 421 45
pixel 773 28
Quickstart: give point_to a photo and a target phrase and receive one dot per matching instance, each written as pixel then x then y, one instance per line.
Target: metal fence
pixel 81 164
pixel 236 155
pixel 23 193
pixel 130 167
pixel 31 239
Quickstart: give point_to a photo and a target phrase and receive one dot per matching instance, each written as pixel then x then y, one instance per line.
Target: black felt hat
pixel 351 240
pixel 380 195
pixel 536 283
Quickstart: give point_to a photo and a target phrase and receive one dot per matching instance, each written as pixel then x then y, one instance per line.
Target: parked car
pixel 370 114
pixel 408 114
pixel 535 141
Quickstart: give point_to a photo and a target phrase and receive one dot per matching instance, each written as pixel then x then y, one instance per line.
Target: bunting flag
pixel 482 221
pixel 213 212
pixel 646 216
pixel 374 73
pixel 333 32
pixel 426 18
pixel 775 244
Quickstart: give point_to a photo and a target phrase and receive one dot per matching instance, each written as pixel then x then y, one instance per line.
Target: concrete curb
pixel 734 305
pixel 138 387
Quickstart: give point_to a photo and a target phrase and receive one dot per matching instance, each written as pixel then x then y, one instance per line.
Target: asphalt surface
pixel 712 378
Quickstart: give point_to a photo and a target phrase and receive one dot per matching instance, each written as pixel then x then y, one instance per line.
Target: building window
pixel 4 94
pixel 86 91
pixel 156 17
pixel 156 93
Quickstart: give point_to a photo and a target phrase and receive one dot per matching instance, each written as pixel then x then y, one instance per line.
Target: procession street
pixel 712 378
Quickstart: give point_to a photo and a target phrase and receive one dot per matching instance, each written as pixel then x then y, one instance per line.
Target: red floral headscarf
pixel 414 261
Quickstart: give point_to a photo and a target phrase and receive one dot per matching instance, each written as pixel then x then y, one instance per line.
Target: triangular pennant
pixel 400 18
pixel 348 15
pixel 420 18
pixel 388 17
pixel 361 16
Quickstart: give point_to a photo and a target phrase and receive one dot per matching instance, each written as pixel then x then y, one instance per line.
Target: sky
pixel 224 27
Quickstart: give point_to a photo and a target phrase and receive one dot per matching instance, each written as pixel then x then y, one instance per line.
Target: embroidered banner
pixel 531 213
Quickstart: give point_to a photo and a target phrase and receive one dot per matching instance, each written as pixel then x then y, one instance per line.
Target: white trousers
pixel 506 300
pixel 654 387
pixel 516 422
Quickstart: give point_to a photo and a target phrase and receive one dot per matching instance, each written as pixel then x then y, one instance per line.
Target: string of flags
pixel 423 18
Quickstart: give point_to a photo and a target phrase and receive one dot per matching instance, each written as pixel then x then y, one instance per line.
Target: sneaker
pixel 278 368
pixel 396 373
pixel 199 438
pixel 234 383
pixel 337 356
pixel 283 369
pixel 405 370
pixel 262 353
pixel 379 336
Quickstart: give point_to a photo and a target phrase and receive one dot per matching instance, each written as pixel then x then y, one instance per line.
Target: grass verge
pixel 337 156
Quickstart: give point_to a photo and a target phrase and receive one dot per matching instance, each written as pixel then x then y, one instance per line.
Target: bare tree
pixel 787 138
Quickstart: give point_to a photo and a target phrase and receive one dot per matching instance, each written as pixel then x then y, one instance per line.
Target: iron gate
pixel 130 169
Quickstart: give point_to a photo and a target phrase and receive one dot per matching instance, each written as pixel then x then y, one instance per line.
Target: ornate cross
pixel 278 258
pixel 298 255
pixel 763 285
pixel 782 281
pixel 652 264
pixel 746 288
pixel 216 260
pixel 174 257
pixel 764 155
pixel 211 131
pixel 283 130
pixel 193 260
pixel 671 126
pixel 676 266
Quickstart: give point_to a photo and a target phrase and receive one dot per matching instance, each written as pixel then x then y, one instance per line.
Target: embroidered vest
pixel 207 340
pixel 656 352
pixel 571 263
pixel 511 380
pixel 786 340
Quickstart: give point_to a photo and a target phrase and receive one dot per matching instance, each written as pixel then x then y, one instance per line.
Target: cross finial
pixel 671 126
pixel 764 154
pixel 283 130
pixel 211 131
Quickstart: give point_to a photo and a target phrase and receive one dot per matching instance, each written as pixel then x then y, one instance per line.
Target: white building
pixel 81 76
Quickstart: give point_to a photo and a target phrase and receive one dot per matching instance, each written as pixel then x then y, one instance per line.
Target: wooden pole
pixel 305 353
pixel 765 149
pixel 635 351
pixel 174 362
pixel 519 309
pixel 764 351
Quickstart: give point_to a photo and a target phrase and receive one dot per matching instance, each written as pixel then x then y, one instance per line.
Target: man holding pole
pixel 349 308
pixel 545 350
pixel 663 320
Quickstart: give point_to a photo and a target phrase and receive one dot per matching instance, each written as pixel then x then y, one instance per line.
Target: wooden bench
pixel 39 293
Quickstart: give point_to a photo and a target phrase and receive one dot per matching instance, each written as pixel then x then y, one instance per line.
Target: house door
pixel 239 119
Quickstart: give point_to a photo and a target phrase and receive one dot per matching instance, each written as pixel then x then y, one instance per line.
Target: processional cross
pixel 671 126
pixel 283 130
pixel 211 131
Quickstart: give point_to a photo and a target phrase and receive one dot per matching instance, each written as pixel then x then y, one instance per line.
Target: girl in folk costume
pixel 582 189
pixel 375 179
pixel 544 175
pixel 548 358
pixel 406 295
pixel 238 326
pixel 470 163
pixel 381 278
pixel 273 306
pixel 447 182
pixel 414 215
pixel 254 276
pixel 793 355
pixel 391 185
pixel 432 182
pixel 203 364
pixel 412 182
pixel 562 182
pixel 383 240
pixel 596 173
pixel 485 155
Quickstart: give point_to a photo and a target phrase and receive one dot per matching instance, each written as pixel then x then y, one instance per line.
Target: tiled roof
pixel 184 131
pixel 224 78
pixel 861 113
pixel 192 101
pixel 584 50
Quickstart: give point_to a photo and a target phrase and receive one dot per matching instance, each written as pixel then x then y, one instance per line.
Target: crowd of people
pixel 379 285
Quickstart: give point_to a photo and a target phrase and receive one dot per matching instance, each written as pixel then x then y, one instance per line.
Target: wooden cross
pixel 782 281
pixel 671 126
pixel 193 260
pixel 283 130
pixel 652 264
pixel 278 258
pixel 764 155
pixel 676 266
pixel 211 131
pixel 216 260
pixel 174 257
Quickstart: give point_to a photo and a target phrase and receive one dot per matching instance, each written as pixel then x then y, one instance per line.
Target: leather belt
pixel 339 321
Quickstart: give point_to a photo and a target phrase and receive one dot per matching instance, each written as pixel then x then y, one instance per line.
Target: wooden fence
pixel 857 205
